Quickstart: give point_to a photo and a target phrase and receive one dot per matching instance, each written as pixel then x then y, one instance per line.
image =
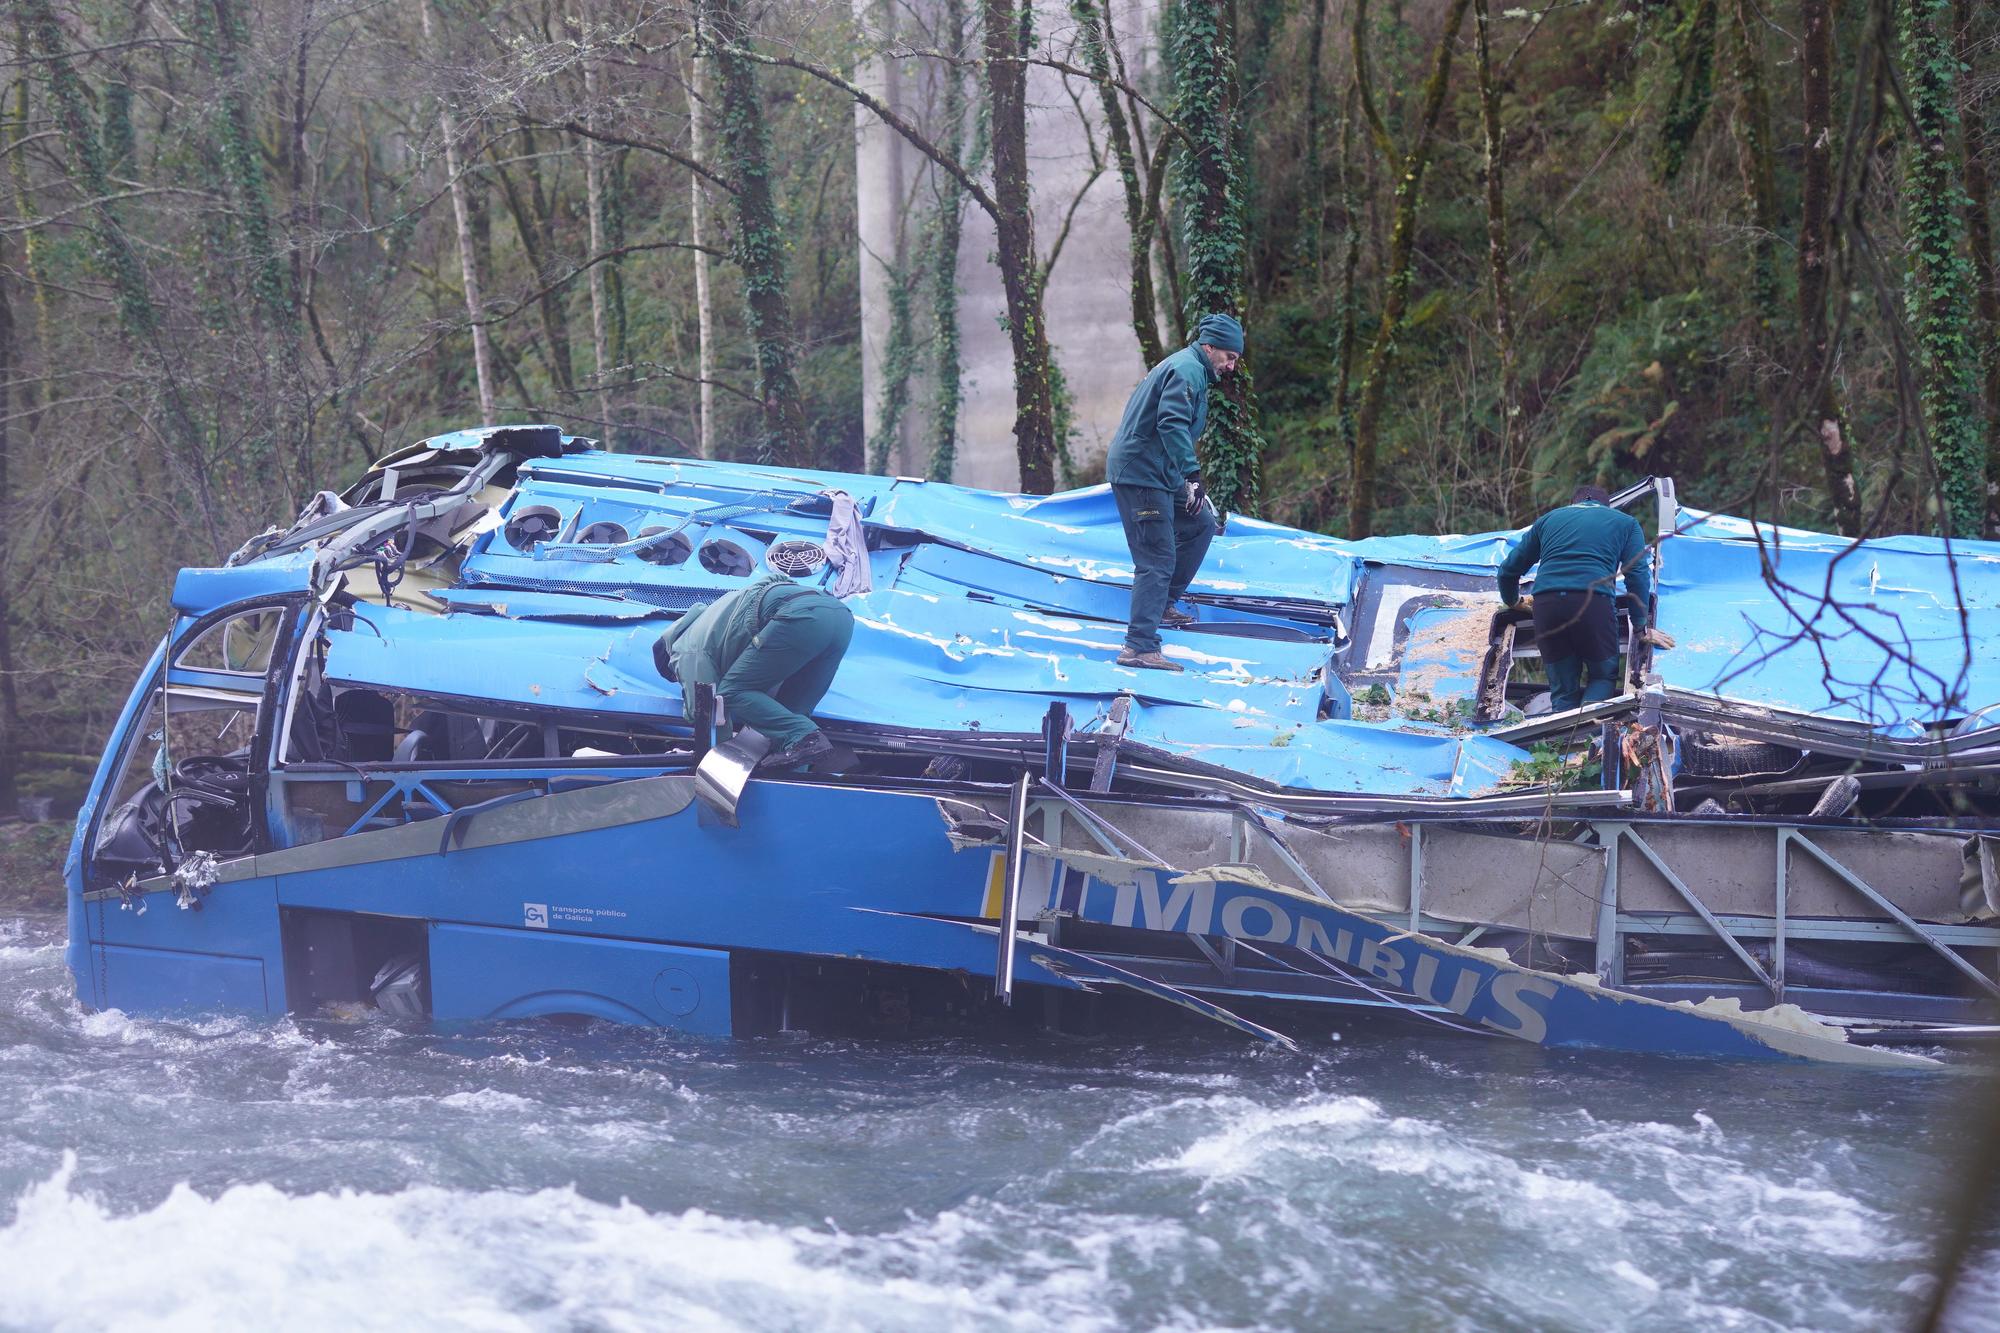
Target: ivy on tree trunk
pixel 947 227
pixel 1200 54
pixel 1693 42
pixel 1979 235
pixel 114 256
pixel 1940 279
pixel 759 244
pixel 1009 42
pixel 1513 462
pixel 1096 43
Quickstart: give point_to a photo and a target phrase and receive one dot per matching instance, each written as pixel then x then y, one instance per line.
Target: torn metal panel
pixel 1979 883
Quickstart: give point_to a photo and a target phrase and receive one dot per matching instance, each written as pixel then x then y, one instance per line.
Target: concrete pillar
pixel 1088 297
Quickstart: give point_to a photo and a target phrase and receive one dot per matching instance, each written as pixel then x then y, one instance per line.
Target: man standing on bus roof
pixel 1581 549
pixel 1169 520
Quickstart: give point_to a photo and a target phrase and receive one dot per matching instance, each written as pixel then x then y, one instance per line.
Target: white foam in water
pixel 1354 1131
pixel 255 1257
pixel 487 1099
pixel 1254 1132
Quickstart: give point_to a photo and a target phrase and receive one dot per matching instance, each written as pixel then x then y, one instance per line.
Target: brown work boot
pixel 1175 618
pixel 1151 661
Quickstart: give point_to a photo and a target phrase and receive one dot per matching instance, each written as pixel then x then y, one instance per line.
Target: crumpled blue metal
pixel 1895 632
pixel 988 607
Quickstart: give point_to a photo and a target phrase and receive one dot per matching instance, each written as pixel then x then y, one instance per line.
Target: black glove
pixel 1193 496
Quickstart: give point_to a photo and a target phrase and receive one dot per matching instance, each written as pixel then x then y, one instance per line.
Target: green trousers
pixel 1167 545
pixel 780 678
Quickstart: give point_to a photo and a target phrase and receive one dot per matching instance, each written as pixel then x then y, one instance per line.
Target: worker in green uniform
pixel 770 651
pixel 1156 483
pixel 1581 549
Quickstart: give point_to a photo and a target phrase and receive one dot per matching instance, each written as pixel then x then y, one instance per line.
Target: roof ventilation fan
pixel 673 551
pixel 530 527
pixel 726 558
pixel 604 533
pixel 796 556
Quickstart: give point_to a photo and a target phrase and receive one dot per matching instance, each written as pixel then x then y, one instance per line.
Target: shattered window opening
pixel 239 646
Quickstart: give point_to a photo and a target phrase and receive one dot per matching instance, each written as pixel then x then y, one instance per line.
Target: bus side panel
pixel 488 972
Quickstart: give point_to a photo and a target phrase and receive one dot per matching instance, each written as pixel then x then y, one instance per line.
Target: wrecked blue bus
pixel 411 751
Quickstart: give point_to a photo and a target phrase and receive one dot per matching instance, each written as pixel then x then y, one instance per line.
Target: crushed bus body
pixel 413 750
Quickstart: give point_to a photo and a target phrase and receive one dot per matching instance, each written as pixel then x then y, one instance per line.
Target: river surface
pixel 228 1173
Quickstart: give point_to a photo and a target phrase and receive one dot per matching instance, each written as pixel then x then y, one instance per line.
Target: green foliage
pixel 1558 770
pixel 1625 398
pixel 830 388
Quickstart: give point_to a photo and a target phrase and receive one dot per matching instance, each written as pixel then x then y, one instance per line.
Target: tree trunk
pixel 475 307
pixel 1315 172
pixel 10 717
pixel 1979 234
pixel 1350 299
pixel 1200 53
pixel 221 28
pixel 535 225
pixel 32 251
pixel 948 228
pixel 1815 376
pixel 1138 219
pixel 759 243
pixel 1513 465
pixel 1939 276
pixel 593 191
pixel 704 304
pixel 1162 236
pixel 1396 282
pixel 1009 42
pixel 898 357
pixel 1753 136
pixel 1694 86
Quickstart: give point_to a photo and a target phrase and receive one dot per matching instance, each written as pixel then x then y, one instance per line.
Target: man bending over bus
pixel 770 651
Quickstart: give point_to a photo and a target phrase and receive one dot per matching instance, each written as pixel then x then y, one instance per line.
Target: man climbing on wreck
pixel 770 651
pixel 1156 482
pixel 1581 549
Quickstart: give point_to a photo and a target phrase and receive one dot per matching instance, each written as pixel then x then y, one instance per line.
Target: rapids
pixel 219 1172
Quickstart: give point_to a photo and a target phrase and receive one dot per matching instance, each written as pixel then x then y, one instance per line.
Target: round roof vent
pixel 673 551
pixel 726 558
pixel 532 526
pixel 796 556
pixel 604 533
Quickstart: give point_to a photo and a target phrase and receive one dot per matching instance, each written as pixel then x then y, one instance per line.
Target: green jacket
pixel 704 644
pixel 1163 419
pixel 1583 548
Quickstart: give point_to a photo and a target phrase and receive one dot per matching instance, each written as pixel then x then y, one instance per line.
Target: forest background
pixel 246 246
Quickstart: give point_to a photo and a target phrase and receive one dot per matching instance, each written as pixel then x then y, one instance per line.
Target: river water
pixel 228 1173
